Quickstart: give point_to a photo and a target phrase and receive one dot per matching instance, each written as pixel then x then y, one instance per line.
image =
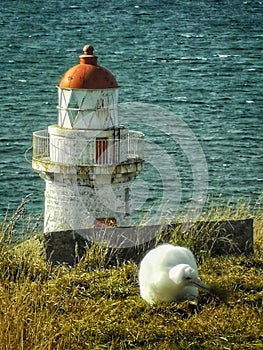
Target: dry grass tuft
pixel 89 307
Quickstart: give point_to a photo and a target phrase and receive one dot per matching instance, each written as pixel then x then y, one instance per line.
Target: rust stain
pixel 88 74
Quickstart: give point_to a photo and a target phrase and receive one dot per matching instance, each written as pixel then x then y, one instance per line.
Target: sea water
pixel 185 65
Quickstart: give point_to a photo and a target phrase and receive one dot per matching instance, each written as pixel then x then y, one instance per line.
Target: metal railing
pixel 41 145
pixel 86 151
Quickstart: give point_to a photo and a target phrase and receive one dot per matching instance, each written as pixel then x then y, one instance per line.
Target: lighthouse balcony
pixel 87 151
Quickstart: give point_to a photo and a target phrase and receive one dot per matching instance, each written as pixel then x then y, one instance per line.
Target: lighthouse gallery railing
pixel 86 151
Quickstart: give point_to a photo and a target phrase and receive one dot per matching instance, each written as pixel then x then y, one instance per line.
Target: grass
pixel 89 307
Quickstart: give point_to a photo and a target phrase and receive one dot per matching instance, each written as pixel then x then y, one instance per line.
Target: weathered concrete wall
pixel 228 237
pixel 69 246
pixel 131 243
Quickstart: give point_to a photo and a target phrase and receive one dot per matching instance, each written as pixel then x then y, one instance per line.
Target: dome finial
pixel 88 50
pixel 88 57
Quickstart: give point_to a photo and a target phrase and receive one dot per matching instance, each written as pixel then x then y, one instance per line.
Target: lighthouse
pixel 87 160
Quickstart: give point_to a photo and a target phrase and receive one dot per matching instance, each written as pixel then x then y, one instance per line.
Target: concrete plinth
pixel 230 237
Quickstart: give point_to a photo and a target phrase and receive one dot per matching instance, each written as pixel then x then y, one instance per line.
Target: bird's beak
pixel 213 290
pixel 198 283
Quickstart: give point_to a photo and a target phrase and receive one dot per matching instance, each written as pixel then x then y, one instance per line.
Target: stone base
pixel 131 243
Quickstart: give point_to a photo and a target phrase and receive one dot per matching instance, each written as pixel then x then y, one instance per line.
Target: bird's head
pixel 191 278
pixel 185 275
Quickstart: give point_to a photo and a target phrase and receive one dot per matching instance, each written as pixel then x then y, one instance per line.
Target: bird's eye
pixel 188 278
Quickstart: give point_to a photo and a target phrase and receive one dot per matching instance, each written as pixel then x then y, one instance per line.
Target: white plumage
pixel 169 273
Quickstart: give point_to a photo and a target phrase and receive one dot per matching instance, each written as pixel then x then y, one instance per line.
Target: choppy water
pixel 201 59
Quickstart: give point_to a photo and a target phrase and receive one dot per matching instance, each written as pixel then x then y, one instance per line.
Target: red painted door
pixel 101 150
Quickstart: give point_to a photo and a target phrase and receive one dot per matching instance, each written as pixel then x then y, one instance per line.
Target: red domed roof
pixel 88 74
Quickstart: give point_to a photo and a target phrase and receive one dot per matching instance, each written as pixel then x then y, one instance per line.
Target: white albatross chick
pixel 169 273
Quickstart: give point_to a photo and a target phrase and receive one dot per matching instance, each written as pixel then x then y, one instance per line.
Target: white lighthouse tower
pixel 87 159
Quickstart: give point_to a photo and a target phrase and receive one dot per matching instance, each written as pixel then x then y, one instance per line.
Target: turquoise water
pixel 201 60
